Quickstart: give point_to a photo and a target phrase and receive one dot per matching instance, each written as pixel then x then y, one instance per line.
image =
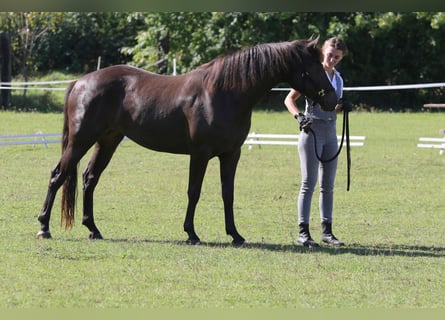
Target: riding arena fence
pixel 31 139
pixel 290 140
pixel 252 139
pixel 433 143
pixel 36 85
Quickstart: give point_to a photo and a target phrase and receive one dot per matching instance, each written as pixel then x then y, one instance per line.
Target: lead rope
pixel 345 132
pixel 348 149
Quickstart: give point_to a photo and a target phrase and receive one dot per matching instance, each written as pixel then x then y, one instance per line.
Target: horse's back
pixel 119 86
pixel 114 74
pixel 136 103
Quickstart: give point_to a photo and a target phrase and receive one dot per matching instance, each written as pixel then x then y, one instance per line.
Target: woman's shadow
pixel 360 249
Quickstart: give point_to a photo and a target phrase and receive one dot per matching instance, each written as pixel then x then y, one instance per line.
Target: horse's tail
pixel 69 191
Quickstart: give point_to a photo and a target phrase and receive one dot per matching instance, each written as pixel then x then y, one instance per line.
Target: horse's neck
pixel 261 87
pixel 253 94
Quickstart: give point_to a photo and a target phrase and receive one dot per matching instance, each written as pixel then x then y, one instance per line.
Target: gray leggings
pixel 311 168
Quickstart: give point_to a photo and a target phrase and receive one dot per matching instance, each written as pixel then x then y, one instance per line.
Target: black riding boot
pixel 304 238
pixel 327 236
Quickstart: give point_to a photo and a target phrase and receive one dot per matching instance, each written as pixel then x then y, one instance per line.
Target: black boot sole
pixel 335 243
pixel 307 244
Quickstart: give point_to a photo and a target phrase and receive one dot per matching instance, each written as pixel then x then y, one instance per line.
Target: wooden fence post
pixel 5 55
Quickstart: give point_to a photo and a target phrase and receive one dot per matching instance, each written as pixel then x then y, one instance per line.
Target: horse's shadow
pixel 354 248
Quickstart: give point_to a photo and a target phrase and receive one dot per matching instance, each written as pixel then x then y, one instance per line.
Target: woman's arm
pixel 290 104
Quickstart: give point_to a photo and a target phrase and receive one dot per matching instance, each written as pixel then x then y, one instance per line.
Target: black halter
pixel 320 93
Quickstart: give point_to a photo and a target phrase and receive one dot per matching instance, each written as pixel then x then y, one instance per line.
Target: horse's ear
pixel 313 41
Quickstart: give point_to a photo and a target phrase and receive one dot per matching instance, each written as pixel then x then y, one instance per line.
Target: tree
pixel 385 47
pixel 81 37
pixel 26 28
pixel 392 48
pixel 70 41
pixel 188 40
pixel 198 37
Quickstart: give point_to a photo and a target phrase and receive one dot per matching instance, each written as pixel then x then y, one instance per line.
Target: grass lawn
pixel 391 220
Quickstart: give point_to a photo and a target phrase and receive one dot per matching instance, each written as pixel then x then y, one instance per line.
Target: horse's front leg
pixel 197 169
pixel 228 165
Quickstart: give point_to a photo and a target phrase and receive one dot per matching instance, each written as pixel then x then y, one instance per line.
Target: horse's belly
pixel 161 142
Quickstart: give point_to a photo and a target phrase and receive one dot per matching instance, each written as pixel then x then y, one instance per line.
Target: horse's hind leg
pixel 103 152
pixel 228 165
pixel 64 167
pixel 56 180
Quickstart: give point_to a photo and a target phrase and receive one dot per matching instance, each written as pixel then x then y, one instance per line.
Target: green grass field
pixel 392 221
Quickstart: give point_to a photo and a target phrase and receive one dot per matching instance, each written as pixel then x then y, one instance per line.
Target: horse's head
pixel 309 77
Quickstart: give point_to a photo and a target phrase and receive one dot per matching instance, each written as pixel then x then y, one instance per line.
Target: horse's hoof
pixel 95 236
pixel 238 242
pixel 193 242
pixel 43 235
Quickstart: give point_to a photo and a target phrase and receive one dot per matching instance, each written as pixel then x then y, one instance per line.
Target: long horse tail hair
pixel 69 190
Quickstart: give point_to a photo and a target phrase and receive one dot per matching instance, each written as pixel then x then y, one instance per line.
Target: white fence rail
pixel 385 87
pixel 290 140
pixel 33 139
pixel 34 85
pixel 252 139
pixel 434 143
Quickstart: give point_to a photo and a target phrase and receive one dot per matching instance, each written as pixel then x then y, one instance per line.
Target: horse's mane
pixel 263 61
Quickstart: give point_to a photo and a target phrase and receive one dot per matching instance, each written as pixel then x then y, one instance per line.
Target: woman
pixel 323 125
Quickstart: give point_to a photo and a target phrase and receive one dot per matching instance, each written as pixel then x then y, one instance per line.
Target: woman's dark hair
pixel 336 43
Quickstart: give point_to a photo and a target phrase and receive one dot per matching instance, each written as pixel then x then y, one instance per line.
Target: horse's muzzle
pixel 327 99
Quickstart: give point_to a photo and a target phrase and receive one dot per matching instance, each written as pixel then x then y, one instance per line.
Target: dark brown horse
pixel 205 113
